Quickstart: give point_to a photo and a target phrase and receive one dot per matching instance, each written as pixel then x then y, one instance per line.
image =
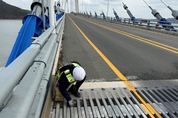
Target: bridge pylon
pixel 76 6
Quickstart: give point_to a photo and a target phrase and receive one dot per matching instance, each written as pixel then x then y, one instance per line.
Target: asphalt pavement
pixel 138 54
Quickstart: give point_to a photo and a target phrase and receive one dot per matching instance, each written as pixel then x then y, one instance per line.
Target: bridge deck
pixel 114 100
pixel 143 99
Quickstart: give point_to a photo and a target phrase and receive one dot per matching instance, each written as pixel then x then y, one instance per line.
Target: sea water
pixel 8 33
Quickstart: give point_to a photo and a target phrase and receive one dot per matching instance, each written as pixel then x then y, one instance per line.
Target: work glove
pixel 71 104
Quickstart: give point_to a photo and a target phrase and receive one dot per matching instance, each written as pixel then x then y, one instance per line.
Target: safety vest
pixel 68 74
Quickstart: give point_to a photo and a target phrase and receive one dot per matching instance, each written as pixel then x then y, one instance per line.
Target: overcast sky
pixel 137 7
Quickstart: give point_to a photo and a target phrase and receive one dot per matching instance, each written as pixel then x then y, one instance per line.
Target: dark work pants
pixel 74 88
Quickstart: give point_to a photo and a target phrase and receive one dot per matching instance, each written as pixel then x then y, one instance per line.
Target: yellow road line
pixel 162 34
pixel 151 42
pixel 150 110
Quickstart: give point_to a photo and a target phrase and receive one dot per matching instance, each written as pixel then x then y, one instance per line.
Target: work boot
pixel 74 91
pixel 76 94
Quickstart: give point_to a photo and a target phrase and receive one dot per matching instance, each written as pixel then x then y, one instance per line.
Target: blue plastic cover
pixel 164 21
pixel 32 27
pixel 23 40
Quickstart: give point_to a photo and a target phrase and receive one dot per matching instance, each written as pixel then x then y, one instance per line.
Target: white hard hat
pixel 79 73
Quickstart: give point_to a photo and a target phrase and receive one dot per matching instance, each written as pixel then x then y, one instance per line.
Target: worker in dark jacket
pixel 69 74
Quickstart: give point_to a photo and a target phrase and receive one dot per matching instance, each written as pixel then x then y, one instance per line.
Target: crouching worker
pixel 69 74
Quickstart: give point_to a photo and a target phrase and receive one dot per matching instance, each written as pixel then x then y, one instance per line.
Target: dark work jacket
pixel 63 82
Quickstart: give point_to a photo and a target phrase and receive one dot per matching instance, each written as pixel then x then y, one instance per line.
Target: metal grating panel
pixel 163 99
pixel 119 103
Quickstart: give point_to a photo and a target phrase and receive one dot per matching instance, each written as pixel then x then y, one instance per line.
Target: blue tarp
pixel 23 41
pixel 164 21
pixel 32 27
pixel 58 16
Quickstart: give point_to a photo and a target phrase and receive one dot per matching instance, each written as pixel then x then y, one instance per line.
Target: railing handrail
pixel 156 24
pixel 32 66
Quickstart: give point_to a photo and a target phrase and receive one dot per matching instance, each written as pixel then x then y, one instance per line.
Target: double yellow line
pixel 150 110
pixel 148 41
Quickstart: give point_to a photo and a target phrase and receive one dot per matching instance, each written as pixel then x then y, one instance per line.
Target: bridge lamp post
pixel 82 5
pixel 174 12
pixel 107 8
pixel 52 14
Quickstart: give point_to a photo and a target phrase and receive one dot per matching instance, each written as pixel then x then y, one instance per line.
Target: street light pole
pixel 82 5
pixel 107 8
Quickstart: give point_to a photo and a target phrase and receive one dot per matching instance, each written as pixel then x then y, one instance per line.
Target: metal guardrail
pixel 140 22
pixel 149 23
pixel 23 84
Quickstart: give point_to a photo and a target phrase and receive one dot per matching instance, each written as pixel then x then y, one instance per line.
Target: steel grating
pixel 163 99
pixel 119 103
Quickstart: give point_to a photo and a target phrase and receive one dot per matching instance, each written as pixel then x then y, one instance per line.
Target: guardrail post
pixel 140 23
pixel 129 21
pixel 124 20
pixel 148 23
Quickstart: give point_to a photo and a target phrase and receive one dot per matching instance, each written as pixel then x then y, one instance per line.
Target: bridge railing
pixel 148 23
pixel 24 83
pixel 141 22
